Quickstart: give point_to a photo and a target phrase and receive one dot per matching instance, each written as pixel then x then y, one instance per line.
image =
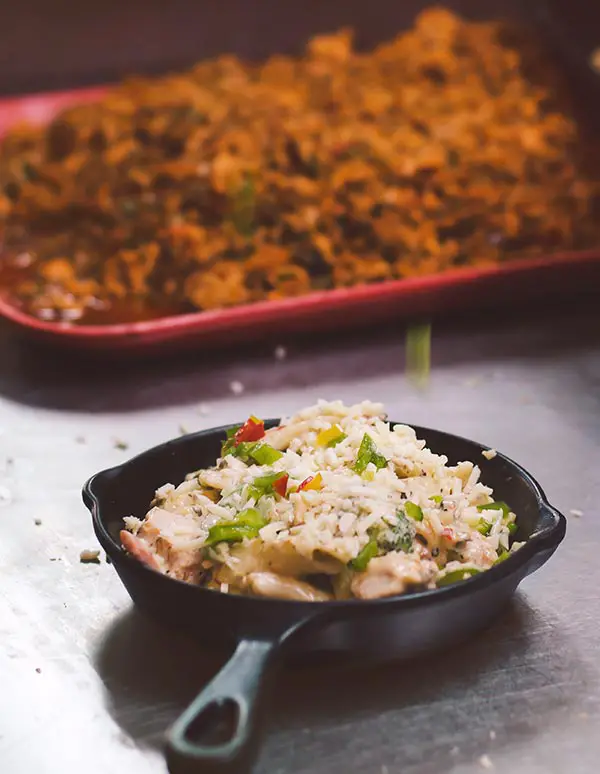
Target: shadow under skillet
pixel 51 379
pixel 335 717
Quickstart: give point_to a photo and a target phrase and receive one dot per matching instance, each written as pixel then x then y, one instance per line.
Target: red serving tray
pixel 496 289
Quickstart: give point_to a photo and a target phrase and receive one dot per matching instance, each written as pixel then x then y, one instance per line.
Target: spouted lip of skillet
pixel 549 530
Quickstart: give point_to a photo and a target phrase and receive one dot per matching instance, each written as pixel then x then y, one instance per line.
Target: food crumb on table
pixel 489 454
pixel 120 444
pixel 80 439
pixel 576 513
pixel 183 430
pixel 237 388
pixel 37 522
pixel 486 762
pixel 280 353
pixel 88 556
pixel 38 670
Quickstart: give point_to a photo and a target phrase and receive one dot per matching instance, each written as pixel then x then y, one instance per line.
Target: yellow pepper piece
pixel 331 436
pixel 315 483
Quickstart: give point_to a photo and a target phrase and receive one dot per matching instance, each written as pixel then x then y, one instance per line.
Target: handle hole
pixel 215 725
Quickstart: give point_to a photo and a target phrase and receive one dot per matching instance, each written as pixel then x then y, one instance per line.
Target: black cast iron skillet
pixel 219 732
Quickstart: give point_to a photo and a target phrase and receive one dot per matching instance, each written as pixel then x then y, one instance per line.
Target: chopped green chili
pixel 413 511
pixel 265 485
pixel 251 451
pixel 499 506
pixel 367 453
pixel 454 576
pixel 485 527
pixel 246 524
pixel 363 558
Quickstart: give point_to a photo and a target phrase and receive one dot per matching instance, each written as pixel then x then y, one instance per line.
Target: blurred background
pixel 56 44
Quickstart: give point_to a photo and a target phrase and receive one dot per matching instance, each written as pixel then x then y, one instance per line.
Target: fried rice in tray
pixel 454 144
pixel 334 503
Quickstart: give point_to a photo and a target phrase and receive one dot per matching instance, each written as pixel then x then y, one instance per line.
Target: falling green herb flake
pixel 243 207
pixel 418 353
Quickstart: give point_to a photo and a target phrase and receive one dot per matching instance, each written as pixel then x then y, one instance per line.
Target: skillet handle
pixel 229 705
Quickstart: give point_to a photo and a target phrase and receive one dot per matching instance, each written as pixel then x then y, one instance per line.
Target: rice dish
pixel 334 503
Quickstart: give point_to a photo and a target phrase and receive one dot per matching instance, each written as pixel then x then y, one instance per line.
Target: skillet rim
pixel 541 540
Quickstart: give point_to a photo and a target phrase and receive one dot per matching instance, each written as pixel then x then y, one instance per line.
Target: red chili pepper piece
pixel 253 429
pixel 305 483
pixel 280 484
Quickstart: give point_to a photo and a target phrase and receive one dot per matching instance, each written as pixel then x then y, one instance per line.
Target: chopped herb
pixel 272 483
pixel 454 576
pixel 437 499
pixel 502 557
pixel 499 506
pixel 246 524
pixel 367 453
pixel 330 437
pixel 413 511
pixel 122 445
pixel 399 536
pixel 363 558
pixel 512 528
pixel 418 353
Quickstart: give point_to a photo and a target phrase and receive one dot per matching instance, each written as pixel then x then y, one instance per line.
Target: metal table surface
pixel 87 684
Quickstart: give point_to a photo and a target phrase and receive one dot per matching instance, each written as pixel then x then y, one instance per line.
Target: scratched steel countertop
pixel 89 685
